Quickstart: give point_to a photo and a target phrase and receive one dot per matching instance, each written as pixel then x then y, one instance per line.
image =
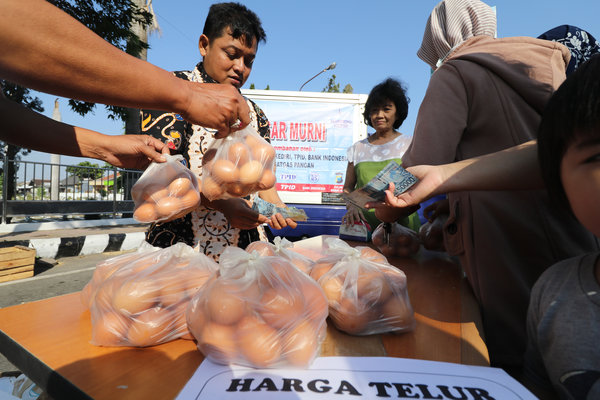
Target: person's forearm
pixel 515 168
pixel 45 49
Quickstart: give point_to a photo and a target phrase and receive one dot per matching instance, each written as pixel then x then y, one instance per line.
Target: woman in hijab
pixel 486 95
pixel 580 43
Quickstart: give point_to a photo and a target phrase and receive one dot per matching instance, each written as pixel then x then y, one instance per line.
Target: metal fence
pixel 48 190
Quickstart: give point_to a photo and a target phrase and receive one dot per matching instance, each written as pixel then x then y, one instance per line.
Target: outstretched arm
pixel 45 49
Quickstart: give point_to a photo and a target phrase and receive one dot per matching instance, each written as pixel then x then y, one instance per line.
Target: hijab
pixel 451 23
pixel 580 43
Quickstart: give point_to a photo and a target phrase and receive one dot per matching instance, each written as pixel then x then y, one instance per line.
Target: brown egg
pixel 316 305
pixel 372 285
pixel 259 343
pixel 372 255
pixel 149 328
pixel 301 344
pixel 109 329
pixel 333 288
pixel 154 192
pixel 320 268
pixel 179 328
pixel 168 207
pixel 240 190
pixel 132 297
pixel 180 186
pixel 218 342
pixel 267 180
pixel 250 172
pixel 254 141
pixel 145 212
pixel 196 318
pixel 352 316
pixel 281 307
pixel 262 248
pixel 173 287
pixel 238 153
pixel 190 200
pixel 225 305
pixel 224 171
pixel 398 313
pixel 264 152
pixel 303 264
pixel 211 189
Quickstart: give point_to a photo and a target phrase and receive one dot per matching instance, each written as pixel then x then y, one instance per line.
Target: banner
pixel 311 140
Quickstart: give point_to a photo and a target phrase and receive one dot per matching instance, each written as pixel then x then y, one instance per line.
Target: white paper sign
pixel 354 378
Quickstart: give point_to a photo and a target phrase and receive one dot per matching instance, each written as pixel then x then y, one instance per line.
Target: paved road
pixel 68 275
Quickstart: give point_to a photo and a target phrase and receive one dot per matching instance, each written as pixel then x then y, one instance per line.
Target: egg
pixel 149 328
pixel 333 287
pixel 168 206
pixel 303 264
pixel 224 171
pixel 154 192
pixel 301 344
pixel 259 343
pixel 262 248
pixel 190 200
pixel 281 307
pixel 145 212
pixel 372 255
pixel 320 268
pixel 263 152
pixel 180 186
pixel 315 301
pixel 398 313
pixel 225 305
pixel 132 297
pixel 372 285
pixel 109 329
pixel 179 328
pixel 195 318
pixel 352 316
pixel 250 172
pixel 238 153
pixel 267 180
pixel 218 342
pixel 254 141
pixel 239 190
pixel 173 287
pixel 211 189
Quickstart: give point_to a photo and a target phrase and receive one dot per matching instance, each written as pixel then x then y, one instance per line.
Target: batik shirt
pixel 205 229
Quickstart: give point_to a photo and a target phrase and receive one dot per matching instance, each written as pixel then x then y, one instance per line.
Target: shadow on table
pixel 130 373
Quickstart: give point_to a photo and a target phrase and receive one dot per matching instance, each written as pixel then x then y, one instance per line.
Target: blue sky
pixel 368 40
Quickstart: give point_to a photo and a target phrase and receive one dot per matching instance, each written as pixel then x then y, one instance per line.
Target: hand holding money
pixel 269 209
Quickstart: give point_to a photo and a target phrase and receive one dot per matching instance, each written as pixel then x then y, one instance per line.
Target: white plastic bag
pixel 282 248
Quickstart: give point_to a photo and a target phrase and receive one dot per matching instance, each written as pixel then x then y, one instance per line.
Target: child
pixel 228 46
pixel 563 322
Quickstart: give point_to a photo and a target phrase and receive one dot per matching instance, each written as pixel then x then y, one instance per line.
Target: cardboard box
pixel 16 262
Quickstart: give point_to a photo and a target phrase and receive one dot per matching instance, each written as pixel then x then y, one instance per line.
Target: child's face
pixel 580 175
pixel 228 60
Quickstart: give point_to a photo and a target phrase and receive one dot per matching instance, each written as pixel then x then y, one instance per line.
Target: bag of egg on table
pixel 258 311
pixel 238 165
pixel 140 299
pixel 396 240
pixel 366 294
pixel 165 191
pixel 282 248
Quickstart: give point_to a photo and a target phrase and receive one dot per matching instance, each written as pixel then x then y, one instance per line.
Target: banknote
pixel 374 190
pixel 269 209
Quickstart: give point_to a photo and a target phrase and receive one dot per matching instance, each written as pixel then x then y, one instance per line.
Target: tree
pixel 85 170
pixel 334 87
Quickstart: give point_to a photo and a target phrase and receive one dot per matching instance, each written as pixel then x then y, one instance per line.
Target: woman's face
pixel 580 176
pixel 383 116
pixel 226 59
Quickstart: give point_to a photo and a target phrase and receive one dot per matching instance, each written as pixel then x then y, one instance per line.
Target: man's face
pixel 580 175
pixel 228 60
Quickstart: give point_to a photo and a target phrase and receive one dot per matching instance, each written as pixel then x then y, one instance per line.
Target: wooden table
pixel 49 339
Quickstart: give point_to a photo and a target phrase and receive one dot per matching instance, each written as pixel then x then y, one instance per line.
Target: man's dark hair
pixel 573 113
pixel 242 22
pixel 391 90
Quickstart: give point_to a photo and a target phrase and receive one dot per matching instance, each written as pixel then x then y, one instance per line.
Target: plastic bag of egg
pixel 140 299
pixel 282 248
pixel 165 191
pixel 366 295
pixel 260 312
pixel 238 165
pixel 401 242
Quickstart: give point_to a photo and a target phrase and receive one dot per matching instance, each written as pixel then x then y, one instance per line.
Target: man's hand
pixel 216 106
pixel 277 221
pixel 353 215
pixel 132 151
pixel 239 213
